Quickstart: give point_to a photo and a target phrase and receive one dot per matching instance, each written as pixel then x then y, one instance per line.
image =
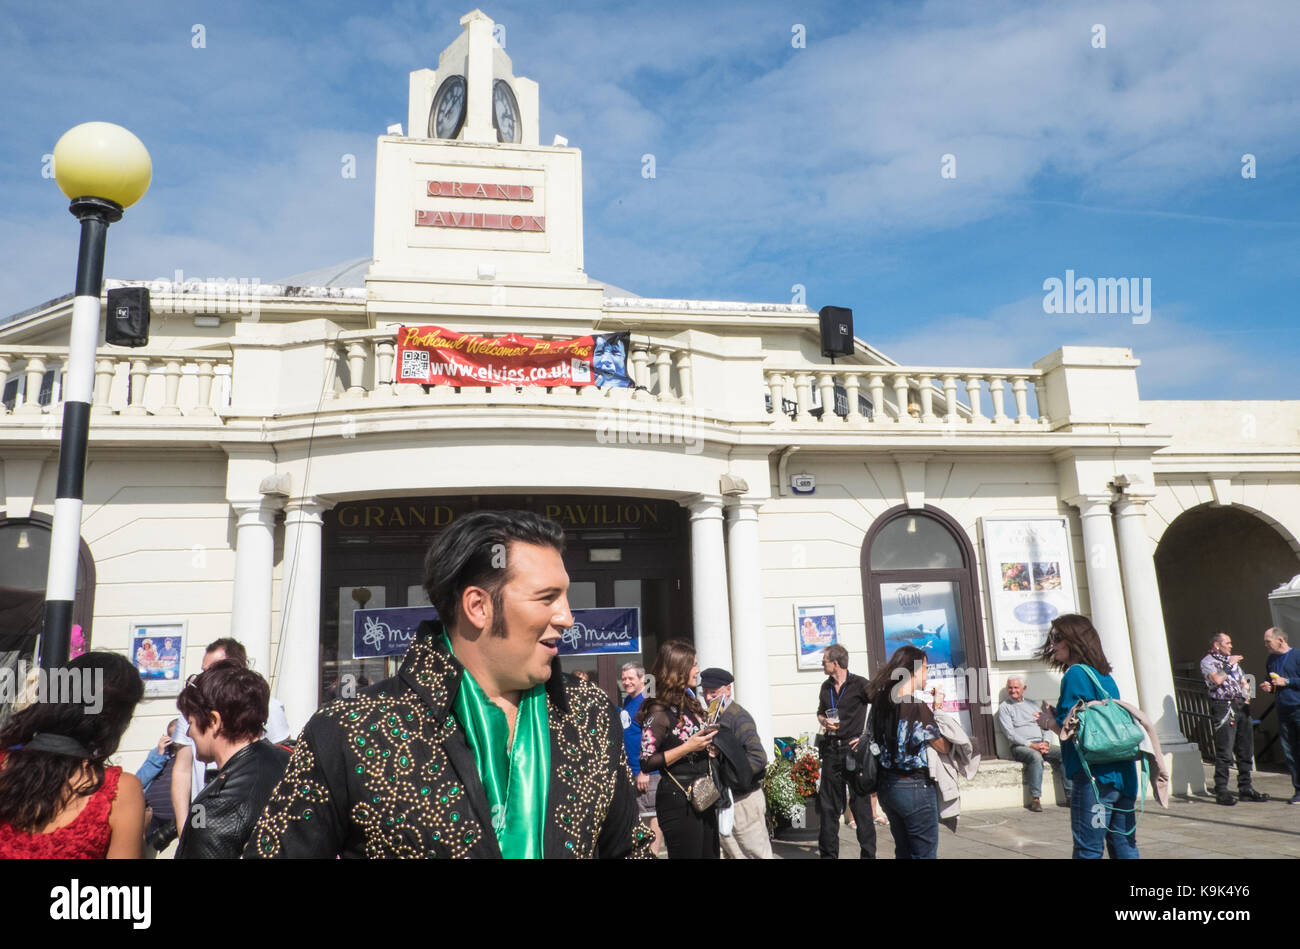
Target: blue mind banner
pixel 387 632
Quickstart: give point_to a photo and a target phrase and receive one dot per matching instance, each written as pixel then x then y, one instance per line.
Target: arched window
pixel 919 587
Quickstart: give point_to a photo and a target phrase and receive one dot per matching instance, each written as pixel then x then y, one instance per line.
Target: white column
pixel 748 636
pixel 709 613
pixel 250 613
pixel 299 661
pixel 1155 678
pixel 1105 590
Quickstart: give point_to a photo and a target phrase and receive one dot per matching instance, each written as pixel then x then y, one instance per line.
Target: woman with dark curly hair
pixel 676 742
pixel 58 796
pixel 1102 814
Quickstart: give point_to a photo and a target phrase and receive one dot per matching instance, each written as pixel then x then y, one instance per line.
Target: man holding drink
pixel 842 711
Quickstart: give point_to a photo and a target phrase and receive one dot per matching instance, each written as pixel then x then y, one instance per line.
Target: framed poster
pixel 1030 571
pixel 158 654
pixel 814 631
pixel 927 615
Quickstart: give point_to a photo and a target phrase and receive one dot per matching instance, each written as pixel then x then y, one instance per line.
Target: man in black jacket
pixel 742 764
pixel 842 710
pixel 479 747
pixel 226 705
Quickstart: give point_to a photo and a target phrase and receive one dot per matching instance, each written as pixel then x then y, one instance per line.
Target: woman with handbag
pixel 1074 647
pixel 676 742
pixel 902 725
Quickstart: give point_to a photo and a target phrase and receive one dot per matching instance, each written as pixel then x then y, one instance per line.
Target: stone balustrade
pixel 905 396
pixel 128 382
pixel 362 364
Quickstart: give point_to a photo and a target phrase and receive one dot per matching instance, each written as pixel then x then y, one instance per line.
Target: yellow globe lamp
pixel 102 160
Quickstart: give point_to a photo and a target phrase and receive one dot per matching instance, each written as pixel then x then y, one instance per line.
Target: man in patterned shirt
pixel 1230 715
pixel 479 747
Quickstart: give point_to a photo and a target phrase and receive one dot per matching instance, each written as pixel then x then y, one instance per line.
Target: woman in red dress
pixel 58 797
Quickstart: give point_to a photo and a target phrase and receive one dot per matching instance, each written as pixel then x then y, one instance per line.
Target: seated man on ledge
pixel 1029 743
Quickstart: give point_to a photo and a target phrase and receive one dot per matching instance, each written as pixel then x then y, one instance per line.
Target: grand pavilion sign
pixel 480 220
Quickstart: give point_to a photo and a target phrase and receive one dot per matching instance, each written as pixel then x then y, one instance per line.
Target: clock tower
pixel 472 215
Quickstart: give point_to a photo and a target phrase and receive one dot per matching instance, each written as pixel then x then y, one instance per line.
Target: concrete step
pixel 999 784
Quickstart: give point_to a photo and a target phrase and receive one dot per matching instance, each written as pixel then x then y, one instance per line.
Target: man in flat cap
pixel 743 763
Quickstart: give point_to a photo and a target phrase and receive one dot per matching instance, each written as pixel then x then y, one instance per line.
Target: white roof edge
pixel 661 303
pixel 244 286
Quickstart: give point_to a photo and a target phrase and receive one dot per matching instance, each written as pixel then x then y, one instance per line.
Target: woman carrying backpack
pixel 1102 811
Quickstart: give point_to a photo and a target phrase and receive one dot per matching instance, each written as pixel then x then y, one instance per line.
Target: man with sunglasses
pixel 1230 718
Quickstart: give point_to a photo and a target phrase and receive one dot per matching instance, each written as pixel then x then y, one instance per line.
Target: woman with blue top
pixel 903 728
pixel 1101 813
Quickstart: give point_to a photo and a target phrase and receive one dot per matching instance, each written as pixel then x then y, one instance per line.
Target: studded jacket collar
pixel 389 774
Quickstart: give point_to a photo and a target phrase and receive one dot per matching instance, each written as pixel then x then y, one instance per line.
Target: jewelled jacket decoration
pixel 389 774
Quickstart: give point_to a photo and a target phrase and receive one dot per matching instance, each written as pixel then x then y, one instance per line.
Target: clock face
pixel 448 112
pixel 505 113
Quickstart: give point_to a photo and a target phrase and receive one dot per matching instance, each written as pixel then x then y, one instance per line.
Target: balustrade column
pixel 851 386
pixel 997 385
pixel 663 374
pixel 385 356
pixel 105 370
pixel 877 384
pixel 826 388
pixel 900 397
pixel 172 387
pixel 204 406
pixel 356 367
pixel 1018 389
pixel 925 386
pixel 31 404
pixel 139 376
pixel 640 356
pixel 973 393
pixel 776 389
pixel 803 395
pixel 683 360
pixel 950 399
pixel 1040 390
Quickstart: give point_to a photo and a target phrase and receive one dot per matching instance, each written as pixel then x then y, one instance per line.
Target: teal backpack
pixel 1108 734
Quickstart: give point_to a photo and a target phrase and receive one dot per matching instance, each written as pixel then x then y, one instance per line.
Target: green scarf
pixel 515 777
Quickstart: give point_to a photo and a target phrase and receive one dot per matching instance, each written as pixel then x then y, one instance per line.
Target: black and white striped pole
pixel 103 168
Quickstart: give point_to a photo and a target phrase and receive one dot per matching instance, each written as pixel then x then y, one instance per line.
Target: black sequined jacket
pixel 390 774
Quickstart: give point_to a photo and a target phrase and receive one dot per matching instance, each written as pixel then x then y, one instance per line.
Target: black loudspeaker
pixel 837 331
pixel 127 323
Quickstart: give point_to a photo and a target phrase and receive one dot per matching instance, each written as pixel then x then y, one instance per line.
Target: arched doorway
pixel 24 565
pixel 1215 567
pixel 919 586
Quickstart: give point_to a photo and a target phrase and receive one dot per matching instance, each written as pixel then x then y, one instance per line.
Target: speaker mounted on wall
pixel 837 331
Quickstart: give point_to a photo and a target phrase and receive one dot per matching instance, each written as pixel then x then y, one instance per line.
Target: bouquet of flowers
pixel 779 790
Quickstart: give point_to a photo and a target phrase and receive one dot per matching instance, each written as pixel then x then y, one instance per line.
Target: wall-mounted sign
pixel 814 633
pixel 480 221
pixel 474 189
pixel 388 632
pixel 158 654
pixel 803 483
pixel 1031 581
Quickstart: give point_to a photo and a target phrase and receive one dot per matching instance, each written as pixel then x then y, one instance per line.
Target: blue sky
pixel 775 165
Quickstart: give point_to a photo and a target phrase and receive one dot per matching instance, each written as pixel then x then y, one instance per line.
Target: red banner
pixel 431 355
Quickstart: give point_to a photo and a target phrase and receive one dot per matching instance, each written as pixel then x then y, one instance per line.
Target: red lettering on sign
pixel 475 189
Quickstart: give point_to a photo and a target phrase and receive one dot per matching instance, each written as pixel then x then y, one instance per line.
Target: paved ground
pixel 1189 830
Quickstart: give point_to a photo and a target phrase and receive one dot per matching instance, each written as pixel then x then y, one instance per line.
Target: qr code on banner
pixel 415 364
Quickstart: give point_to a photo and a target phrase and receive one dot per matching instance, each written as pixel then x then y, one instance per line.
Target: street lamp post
pixel 103 168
